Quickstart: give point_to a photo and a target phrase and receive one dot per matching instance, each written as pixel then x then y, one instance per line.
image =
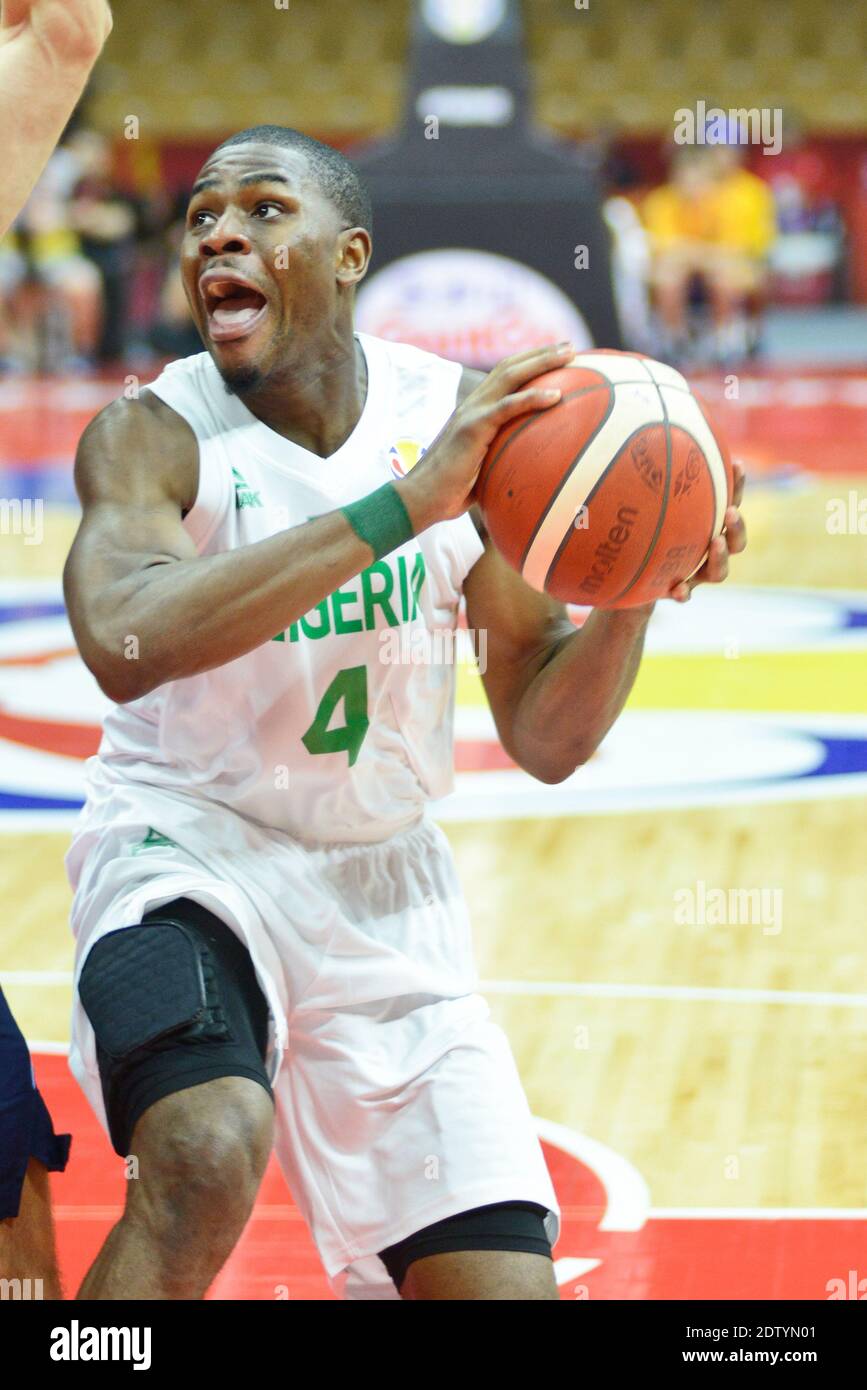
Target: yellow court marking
pixel 796 682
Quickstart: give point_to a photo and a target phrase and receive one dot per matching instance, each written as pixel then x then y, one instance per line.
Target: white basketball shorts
pixel 398 1102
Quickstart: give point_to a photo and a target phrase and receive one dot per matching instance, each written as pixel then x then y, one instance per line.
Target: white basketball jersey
pixel 339 728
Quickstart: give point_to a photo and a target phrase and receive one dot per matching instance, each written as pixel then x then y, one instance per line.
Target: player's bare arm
pixel 555 691
pixel 47 47
pixel 133 570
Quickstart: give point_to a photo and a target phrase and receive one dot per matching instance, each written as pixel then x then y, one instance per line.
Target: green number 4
pixel 349 685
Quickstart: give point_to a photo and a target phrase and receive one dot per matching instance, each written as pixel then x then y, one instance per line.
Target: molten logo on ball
pixel 608 553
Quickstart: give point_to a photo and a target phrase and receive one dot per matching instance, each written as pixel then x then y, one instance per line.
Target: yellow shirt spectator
pixel 737 213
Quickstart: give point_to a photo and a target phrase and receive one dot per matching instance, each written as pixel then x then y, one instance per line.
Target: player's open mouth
pixel 234 308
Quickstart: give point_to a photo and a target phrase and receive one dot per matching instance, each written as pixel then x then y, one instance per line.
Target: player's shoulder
pixel 140 434
pixel 141 415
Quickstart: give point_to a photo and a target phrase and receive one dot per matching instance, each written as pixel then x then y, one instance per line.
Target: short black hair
pixel 336 176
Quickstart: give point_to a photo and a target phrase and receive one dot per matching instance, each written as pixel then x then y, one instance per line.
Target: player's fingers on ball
pixel 717 563
pixel 513 371
pixel 739 478
pixel 680 593
pixel 532 355
pixel 521 402
pixel 735 531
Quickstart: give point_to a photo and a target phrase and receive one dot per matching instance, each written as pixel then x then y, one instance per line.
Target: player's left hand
pixel 69 28
pixel 731 541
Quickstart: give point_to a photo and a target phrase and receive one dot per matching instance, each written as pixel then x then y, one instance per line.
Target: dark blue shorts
pixel 26 1130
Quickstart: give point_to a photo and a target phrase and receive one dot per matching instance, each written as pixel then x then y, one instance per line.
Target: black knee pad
pixel 514 1226
pixel 162 976
pixel 173 1002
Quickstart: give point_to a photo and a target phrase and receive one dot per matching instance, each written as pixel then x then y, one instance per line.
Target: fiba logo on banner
pixel 469 306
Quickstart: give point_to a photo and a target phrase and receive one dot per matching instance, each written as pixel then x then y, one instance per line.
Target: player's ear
pixel 353 255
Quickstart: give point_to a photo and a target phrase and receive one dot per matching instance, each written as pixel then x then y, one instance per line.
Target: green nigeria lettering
pixel 378 597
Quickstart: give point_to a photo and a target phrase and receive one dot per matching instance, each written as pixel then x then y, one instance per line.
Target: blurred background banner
pixel 489 237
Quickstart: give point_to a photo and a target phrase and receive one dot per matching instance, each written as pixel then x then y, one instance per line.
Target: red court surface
pixel 731 1257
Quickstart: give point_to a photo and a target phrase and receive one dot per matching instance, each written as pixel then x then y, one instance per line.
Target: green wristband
pixel 380 520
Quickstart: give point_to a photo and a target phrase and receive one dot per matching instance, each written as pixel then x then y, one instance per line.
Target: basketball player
pixel 47 50
pixel 272 941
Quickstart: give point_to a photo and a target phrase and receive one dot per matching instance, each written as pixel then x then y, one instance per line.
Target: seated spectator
pixel 713 225
pixel 50 295
pixel 50 292
pixel 805 182
pixel 106 221
pixel 173 332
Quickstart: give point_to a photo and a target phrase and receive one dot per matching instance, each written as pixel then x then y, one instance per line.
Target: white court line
pixel 573 989
pixel 37 822
pixel 720 994
pixel 35 977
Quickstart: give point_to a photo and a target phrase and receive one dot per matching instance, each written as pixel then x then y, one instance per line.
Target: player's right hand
pixel 74 29
pixel 440 485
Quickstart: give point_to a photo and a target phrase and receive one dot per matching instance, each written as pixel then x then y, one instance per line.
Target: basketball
pixel 614 494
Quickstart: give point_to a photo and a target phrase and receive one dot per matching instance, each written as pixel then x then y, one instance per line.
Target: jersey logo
pixel 244 494
pixel 404 455
pixel 152 840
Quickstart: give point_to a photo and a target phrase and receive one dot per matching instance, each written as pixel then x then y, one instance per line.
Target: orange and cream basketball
pixel 613 495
